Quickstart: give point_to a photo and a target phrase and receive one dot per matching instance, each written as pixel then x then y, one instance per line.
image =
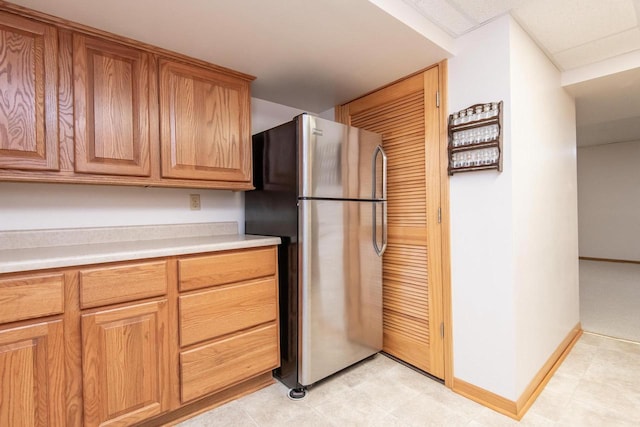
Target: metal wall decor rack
pixel 475 138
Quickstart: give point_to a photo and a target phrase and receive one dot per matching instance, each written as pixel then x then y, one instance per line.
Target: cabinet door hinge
pixel 438 99
pixel 439 215
pixel 442 330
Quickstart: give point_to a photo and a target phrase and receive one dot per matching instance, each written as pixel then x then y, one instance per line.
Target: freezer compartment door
pixel 340 286
pixel 339 162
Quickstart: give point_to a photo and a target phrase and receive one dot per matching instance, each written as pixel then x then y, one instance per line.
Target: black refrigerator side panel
pixel 288 293
pixel 271 210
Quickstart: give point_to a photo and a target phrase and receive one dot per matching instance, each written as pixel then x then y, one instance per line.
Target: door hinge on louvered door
pixel 438 99
pixel 439 215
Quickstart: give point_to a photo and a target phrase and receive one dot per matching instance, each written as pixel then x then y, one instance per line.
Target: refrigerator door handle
pixel 374 178
pixel 379 249
pixel 384 227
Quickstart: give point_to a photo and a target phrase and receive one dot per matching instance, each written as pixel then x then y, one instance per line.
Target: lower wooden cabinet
pixel 32 376
pixel 31 296
pixel 119 344
pixel 213 367
pixel 125 364
pixel 224 310
pixel 229 331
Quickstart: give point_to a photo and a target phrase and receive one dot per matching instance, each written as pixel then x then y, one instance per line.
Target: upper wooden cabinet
pixel 205 124
pixel 78 105
pixel 28 94
pixel 111 100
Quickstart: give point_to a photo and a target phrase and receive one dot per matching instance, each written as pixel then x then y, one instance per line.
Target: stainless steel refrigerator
pixel 321 187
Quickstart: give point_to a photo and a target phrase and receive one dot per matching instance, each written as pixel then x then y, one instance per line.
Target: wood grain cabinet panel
pixel 31 296
pixel 32 375
pixel 205 124
pixel 125 364
pixel 221 311
pixel 122 283
pixel 221 364
pixel 226 267
pixel 28 94
pixel 111 100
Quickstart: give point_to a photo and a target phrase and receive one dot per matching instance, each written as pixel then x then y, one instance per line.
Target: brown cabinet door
pixel 406 115
pixel 28 94
pixel 32 375
pixel 111 102
pixel 125 364
pixel 204 124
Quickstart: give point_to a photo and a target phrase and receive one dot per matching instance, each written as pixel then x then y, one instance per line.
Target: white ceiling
pixel 573 33
pixel 312 54
pixel 307 54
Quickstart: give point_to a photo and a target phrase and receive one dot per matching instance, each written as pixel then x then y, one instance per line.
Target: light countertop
pixel 38 258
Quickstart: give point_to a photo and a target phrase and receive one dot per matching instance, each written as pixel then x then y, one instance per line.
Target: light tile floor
pixel 609 299
pixel 597 385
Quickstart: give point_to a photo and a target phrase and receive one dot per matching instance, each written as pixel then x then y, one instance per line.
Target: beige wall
pixel 609 200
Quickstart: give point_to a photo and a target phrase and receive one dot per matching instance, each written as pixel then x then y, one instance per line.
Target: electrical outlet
pixel 194 202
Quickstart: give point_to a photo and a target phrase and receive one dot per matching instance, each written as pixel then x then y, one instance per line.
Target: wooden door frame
pixel 445 224
pixel 341 115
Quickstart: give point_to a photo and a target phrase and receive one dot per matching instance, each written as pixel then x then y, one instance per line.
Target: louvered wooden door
pixel 406 115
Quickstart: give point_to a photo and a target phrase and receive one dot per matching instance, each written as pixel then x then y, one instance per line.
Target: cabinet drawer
pixel 215 366
pixel 226 267
pixel 28 297
pixel 223 310
pixel 122 283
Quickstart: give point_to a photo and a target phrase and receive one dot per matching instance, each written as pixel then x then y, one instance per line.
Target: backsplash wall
pixel 26 206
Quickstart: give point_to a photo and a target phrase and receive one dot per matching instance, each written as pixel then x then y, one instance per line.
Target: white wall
pixel 513 234
pixel 266 114
pixel 545 223
pixel 27 206
pixel 481 229
pixel 609 200
pixel 329 114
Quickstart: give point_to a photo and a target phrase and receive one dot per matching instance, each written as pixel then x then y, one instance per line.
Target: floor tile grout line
pixel 612 338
